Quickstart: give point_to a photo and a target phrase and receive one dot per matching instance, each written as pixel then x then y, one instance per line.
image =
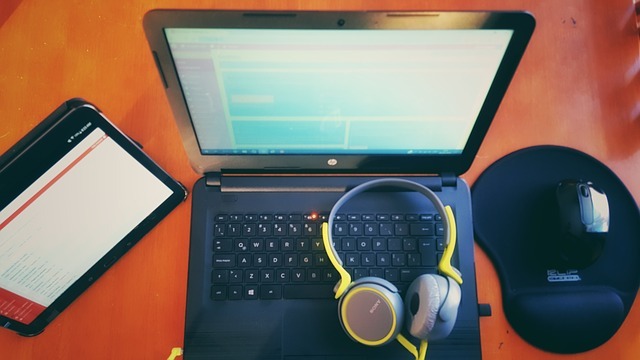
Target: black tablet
pixel 76 195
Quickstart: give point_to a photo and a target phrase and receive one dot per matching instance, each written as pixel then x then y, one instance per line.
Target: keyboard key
pixel 272 245
pixel 219 230
pixel 421 229
pixel 387 229
pixel 360 273
pixel 218 292
pixel 220 276
pixel 282 275
pixel 355 229
pixel 398 259
pixel 352 259
pixel 378 244
pixel 224 260
pixel 330 275
pixel 249 229
pixel 304 291
pixel 251 292
pixel 370 229
pixel 287 245
pixel 306 260
pixel 411 217
pixel 368 259
pixel 427 217
pixel 394 244
pixel 298 275
pixel 317 245
pixel 340 229
pixel 408 275
pixel 264 229
pixel 414 259
pixel 279 229
pixel 244 260
pixel 235 276
pixel 256 244
pixel 259 260
pixel 274 259
pixel 310 229
pixel 295 229
pixel 383 259
pixel 364 244
pixel 401 229
pixel 251 276
pixel 222 245
pixel 314 275
pixel 348 244
pixel 291 260
pixel 235 292
pixel 270 292
pixel 241 245
pixel 409 244
pixel 303 244
pixel 321 260
pixel 391 275
pixel 234 229
pixel 267 275
pixel 377 272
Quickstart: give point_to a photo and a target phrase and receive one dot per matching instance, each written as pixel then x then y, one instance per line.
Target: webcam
pixel 341 22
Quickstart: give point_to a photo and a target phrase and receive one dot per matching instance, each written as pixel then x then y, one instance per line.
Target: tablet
pixel 76 195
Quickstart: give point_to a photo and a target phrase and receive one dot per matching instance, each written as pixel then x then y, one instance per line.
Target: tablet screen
pixel 68 219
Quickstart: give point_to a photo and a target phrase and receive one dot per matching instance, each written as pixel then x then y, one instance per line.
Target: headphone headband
pixel 445 213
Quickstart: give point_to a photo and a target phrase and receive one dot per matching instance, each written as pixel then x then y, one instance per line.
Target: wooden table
pixel 577 86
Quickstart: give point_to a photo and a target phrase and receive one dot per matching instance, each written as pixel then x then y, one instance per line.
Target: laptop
pixel 281 113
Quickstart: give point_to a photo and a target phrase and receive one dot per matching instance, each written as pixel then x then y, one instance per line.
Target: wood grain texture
pixel 577 86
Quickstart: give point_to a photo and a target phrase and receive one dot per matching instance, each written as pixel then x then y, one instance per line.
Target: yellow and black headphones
pixel 371 310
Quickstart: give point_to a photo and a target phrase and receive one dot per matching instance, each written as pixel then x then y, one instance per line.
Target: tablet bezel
pixel 37 151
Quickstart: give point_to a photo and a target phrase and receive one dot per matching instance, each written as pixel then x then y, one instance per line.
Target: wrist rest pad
pixel 516 222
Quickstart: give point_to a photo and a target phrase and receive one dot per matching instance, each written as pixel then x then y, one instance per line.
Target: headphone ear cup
pixel 371 311
pixel 432 303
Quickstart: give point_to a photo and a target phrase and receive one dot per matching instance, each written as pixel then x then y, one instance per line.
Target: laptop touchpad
pixel 312 328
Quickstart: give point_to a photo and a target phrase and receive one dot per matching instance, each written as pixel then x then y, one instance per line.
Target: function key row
pixel 325 217
pixel 269 217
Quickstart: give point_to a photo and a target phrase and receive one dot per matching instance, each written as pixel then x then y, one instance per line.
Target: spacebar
pixel 317 291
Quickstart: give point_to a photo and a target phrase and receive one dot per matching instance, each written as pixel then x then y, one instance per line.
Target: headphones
pixel 371 310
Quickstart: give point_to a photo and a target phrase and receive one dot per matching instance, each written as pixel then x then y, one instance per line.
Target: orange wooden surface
pixel 577 86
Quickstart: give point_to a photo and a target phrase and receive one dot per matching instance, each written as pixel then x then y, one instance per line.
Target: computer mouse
pixel 584 222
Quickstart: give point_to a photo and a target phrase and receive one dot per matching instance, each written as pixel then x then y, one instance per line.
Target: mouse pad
pixel 553 307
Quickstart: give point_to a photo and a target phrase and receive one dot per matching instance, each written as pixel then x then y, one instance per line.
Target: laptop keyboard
pixel 281 256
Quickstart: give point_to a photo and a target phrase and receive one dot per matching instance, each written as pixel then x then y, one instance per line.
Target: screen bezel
pixel 32 156
pixel 156 21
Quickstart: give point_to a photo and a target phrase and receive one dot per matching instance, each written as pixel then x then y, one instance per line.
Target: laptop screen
pixel 335 92
pixel 305 91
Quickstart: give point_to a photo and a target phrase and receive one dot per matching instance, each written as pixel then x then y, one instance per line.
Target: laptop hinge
pixel 213 179
pixel 449 179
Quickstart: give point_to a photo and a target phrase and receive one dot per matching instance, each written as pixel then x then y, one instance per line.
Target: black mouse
pixel 584 222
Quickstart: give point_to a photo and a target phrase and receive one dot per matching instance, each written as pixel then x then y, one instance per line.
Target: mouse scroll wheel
pixel 584 191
